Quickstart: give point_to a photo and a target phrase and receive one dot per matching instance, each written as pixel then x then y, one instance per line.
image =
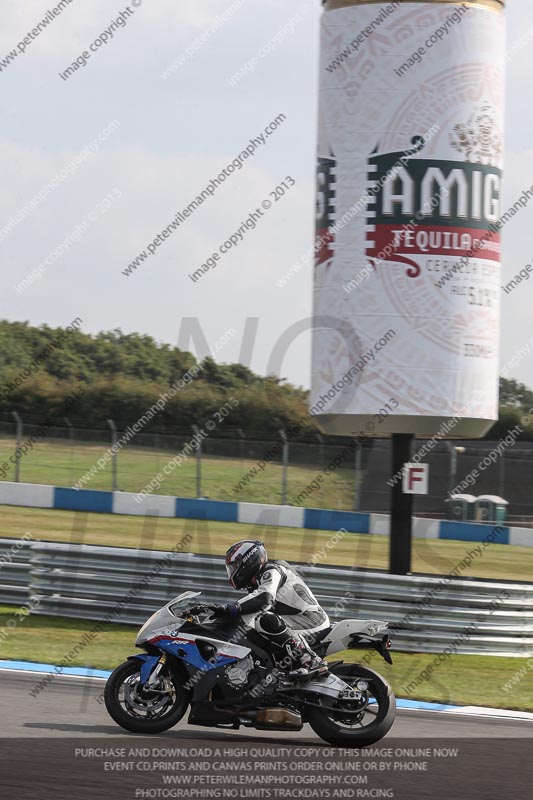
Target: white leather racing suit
pixel 282 593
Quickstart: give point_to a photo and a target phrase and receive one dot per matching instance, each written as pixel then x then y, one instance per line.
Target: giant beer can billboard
pixel 409 188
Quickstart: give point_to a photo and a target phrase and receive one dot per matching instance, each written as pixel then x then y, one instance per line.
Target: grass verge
pixel 462 680
pixel 431 556
pixel 61 464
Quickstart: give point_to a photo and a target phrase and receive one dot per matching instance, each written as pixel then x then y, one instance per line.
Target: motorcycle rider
pixel 288 613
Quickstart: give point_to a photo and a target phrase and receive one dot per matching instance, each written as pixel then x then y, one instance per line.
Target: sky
pixel 143 125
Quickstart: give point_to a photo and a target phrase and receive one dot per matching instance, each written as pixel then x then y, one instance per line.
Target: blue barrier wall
pixel 83 500
pixel 471 532
pixel 218 510
pixel 323 519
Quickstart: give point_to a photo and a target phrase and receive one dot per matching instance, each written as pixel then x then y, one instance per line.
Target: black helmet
pixel 244 561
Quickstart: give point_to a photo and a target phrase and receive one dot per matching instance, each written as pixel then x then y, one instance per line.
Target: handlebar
pixel 194 611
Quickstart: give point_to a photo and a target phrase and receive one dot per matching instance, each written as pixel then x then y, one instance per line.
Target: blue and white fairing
pixel 163 630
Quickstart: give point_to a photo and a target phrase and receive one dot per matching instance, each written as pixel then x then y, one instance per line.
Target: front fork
pixel 150 668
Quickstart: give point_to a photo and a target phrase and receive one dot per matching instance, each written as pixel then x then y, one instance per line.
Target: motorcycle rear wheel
pixel 330 725
pixel 141 711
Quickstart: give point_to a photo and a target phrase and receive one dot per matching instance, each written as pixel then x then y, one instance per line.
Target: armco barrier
pixel 35 495
pixel 428 614
pixel 14 570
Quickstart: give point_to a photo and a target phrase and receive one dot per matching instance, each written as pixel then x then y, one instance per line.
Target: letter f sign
pixel 415 478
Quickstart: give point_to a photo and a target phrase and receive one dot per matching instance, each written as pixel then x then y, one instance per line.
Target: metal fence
pixel 229 464
pixel 233 464
pixel 428 614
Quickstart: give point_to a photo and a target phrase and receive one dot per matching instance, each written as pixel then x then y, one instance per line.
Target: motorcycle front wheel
pixel 349 723
pixel 141 710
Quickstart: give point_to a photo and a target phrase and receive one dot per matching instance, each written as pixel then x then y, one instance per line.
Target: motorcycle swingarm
pixel 361 641
pixel 300 701
pixel 331 686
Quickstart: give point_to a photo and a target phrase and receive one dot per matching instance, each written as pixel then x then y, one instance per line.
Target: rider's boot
pixel 291 650
pixel 301 659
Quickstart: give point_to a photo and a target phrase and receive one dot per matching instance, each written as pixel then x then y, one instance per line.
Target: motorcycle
pixel 220 669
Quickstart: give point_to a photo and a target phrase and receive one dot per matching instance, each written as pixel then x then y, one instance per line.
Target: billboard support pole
pixel 401 516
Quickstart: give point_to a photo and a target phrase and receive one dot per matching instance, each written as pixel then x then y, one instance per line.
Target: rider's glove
pixel 195 610
pixel 229 610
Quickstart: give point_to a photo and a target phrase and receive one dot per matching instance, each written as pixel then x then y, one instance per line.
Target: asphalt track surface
pixel 69 707
pixel 39 736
